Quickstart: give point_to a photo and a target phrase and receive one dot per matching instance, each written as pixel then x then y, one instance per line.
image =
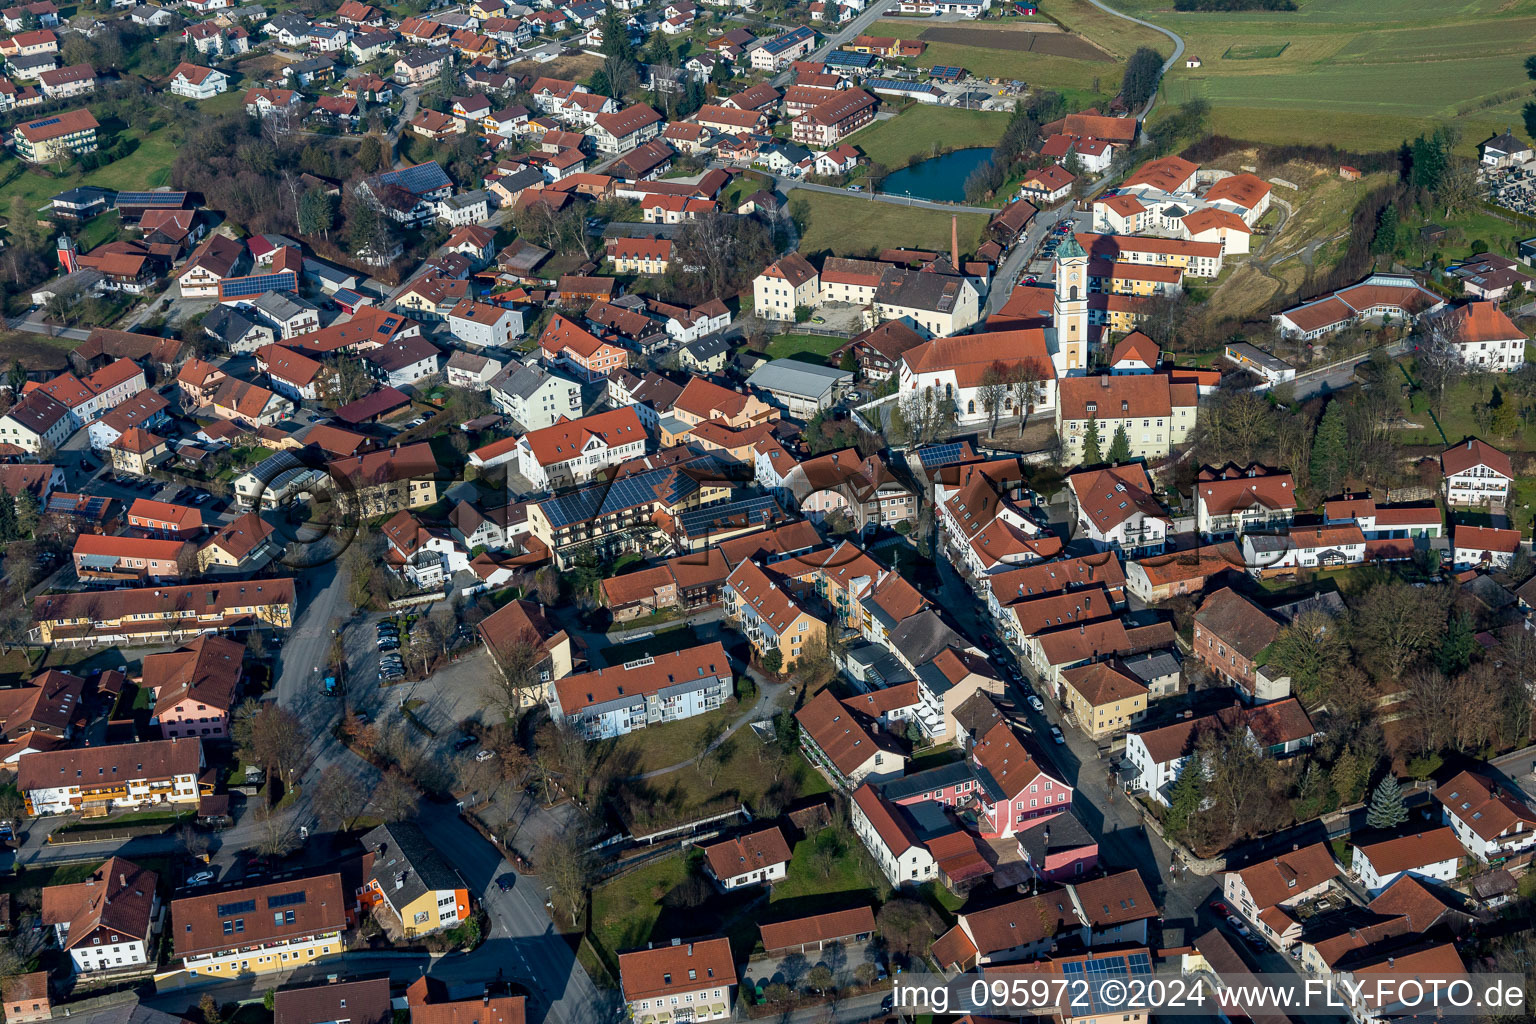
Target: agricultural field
pixel 1358 73
pixel 922 131
pixel 851 226
pixel 1085 60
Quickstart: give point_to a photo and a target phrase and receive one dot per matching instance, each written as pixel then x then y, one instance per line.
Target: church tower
pixel 1070 310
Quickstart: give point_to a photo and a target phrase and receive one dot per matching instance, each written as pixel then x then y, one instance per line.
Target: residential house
pixel 1266 893
pixel 1232 501
pixel 692 978
pixel 1230 634
pixel 1434 854
pixel 1116 509
pixel 1476 474
pixel 1489 820
pixel 107 923
pixel 577 451
pixel 617 700
pixel 758 857
pixel 261 928
pixel 93 781
pixel 405 872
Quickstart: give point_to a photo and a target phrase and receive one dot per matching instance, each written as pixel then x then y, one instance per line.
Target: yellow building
pixel 412 879
pixel 56 136
pixel 1102 699
pixel 239 544
pixel 160 614
pixel 762 607
pixel 260 929
pixel 387 481
pixel 1156 413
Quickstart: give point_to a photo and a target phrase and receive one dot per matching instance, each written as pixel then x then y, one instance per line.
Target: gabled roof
pixel 1472 452
pixel 1278 879
pixel 677 968
pixel 753 852
pixel 118 897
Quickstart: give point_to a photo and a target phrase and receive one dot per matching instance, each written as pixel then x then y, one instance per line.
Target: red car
pixel 1219 908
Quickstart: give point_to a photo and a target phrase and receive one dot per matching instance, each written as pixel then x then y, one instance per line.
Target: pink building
pixel 98 556
pixel 1002 787
pixel 195 687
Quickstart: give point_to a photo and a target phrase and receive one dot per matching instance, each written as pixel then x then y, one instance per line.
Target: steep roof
pixel 117 897
pixel 1273 881
pixel 1472 452
pixel 752 852
pixel 1239 622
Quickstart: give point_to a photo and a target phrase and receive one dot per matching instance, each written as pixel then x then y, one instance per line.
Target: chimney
pixel 122 879
pixel 1104 380
pixel 954 241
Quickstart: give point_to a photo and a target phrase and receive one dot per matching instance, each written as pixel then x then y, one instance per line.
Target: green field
pixel 1264 52
pixel 1358 73
pixel 924 130
pixel 850 226
pixel 810 348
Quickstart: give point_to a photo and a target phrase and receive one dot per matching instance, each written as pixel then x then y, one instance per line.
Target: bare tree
pixel 516 677
pixel 993 391
pixel 395 798
pixel 565 858
pixel 278 835
pixel 340 797
pixel 193 841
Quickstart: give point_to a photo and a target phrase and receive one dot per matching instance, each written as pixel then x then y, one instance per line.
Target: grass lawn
pixel 1461 420
pixel 625 910
pixel 847 226
pixel 925 130
pixel 1336 69
pixel 818 884
pixel 1522 503
pixel 810 348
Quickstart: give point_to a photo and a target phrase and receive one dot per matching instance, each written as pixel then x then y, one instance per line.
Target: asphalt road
pixel 1178 46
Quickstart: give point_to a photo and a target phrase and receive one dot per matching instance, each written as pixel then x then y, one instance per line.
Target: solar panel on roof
pixel 44 123
pixel 754 509
pixel 941 455
pixel 286 899
pixel 151 198
pixel 243 907
pixel 258 284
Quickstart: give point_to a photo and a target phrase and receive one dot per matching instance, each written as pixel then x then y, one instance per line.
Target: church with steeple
pixel 1071 338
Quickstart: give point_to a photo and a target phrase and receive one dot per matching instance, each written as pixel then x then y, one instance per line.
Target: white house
pixel 1324 546
pixel 198 83
pixel 890 840
pixel 534 396
pixel 1488 819
pixel 577 451
pixel 108 921
pixel 1434 854
pixel 613 701
pixel 402 361
pixel 36 423
pixel 485 325
pixel 1476 473
pixel 1264 893
pixel 683 980
pixel 1483 547
pixel 748 860
pixel 1484 338
pixel 1117 510
pixel 471 370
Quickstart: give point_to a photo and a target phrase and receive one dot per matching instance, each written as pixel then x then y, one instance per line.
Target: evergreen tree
pixel 1456 648
pixel 1329 451
pixel 1093 454
pixel 1120 445
pixel 1386 810
pixel 1384 241
pixel 8 528
pixel 1187 795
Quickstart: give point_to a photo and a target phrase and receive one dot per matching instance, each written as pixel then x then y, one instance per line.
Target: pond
pixel 940 178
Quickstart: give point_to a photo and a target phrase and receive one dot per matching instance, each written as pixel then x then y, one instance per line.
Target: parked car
pixel 1236 924
pixel 201 878
pixel 1056 734
pixel 465 742
pixel 485 755
pixel 1219 908
pixel 1037 704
